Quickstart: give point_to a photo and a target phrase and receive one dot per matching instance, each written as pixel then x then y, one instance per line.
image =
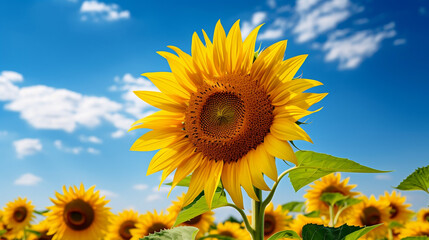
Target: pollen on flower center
pixel 228 117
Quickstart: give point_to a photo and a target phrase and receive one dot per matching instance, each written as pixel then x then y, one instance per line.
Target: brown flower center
pixel 426 217
pixel 228 118
pixel 269 224
pixel 226 233
pixel 78 215
pixel 45 236
pixel 194 220
pixel 393 211
pixel 124 229
pixel 20 214
pixel 332 189
pixel 370 216
pixel 156 227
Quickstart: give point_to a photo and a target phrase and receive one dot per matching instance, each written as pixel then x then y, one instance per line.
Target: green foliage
pixel 3 232
pixel 320 232
pixel 199 206
pixel 313 214
pixel 184 183
pixel 217 236
pixel 395 224
pixel 418 180
pixel 294 206
pixel 348 202
pixel 332 198
pixel 312 166
pixel 285 234
pixel 41 212
pixel 416 238
pixel 178 233
pixel 38 234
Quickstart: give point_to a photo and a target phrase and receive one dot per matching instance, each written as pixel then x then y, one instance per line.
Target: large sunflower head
pixel 222 113
pixel 120 228
pixel 202 222
pixel 399 211
pixel 16 216
pixel 231 229
pixel 329 184
pixel 42 228
pixel 150 223
pixel 302 220
pixel 371 212
pixel 415 229
pixel 423 215
pixel 78 214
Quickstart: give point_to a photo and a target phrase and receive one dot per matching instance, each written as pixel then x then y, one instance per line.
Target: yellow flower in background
pixel 202 222
pixel 225 116
pixel 150 223
pixel 275 220
pixel 329 184
pixel 120 228
pixel 231 229
pixel 423 215
pixel 371 212
pixel 78 214
pixel 302 220
pixel 42 228
pixel 398 208
pixel 16 216
pixel 415 229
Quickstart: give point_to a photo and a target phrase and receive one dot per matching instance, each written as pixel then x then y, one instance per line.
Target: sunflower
pixel 415 229
pixel 275 220
pixel 224 116
pixel 371 212
pixel 42 228
pixel 202 222
pixel 78 214
pixel 398 208
pixel 231 229
pixel 302 220
pixel 423 215
pixel 122 224
pixel 16 216
pixel 150 223
pixel 329 184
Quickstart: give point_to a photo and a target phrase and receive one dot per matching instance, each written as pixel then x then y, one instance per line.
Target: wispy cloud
pixel 27 146
pixel 399 41
pixel 90 139
pixel 384 177
pixel 8 90
pixel 161 189
pixel 28 179
pixel 140 187
pixel 100 11
pixel 248 26
pixel 60 146
pixel 93 151
pixel 108 194
pixel 153 197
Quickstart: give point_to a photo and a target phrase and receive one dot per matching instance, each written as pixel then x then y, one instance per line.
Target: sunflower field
pixel 227 113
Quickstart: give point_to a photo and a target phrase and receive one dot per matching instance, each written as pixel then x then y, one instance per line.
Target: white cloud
pixel 361 21
pixel 247 27
pixel 399 41
pixel 27 146
pixel 93 151
pixel 161 189
pixel 117 134
pixel 107 193
pixel 140 187
pixel 28 179
pixel 276 30
pixel 153 197
pixel 384 177
pixel 8 90
pixel 351 49
pixel 99 11
pixel 3 133
pixel 60 146
pixel 90 139
pixel 272 3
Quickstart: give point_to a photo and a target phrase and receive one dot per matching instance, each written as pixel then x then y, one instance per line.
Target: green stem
pixel 331 216
pixel 245 220
pixel 273 189
pixel 258 212
pixel 337 216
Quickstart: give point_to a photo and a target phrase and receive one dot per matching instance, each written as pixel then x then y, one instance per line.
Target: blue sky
pixel 67 69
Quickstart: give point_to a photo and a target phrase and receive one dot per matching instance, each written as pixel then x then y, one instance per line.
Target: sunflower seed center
pixel 156 227
pixel 124 229
pixel 20 214
pixel 269 224
pixel 78 215
pixel 370 216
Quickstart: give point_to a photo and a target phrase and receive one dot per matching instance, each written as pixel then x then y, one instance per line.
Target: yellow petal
pixel 166 83
pixel 187 167
pixel 290 66
pixel 280 149
pixel 213 173
pixel 300 85
pixel 256 172
pixel 306 100
pixel 245 178
pixel 231 183
pixel 161 101
pixel 267 161
pixel 219 52
pixel 265 66
pixel 155 139
pixel 160 120
pixel 196 185
pixel 179 71
pixel 234 47
pixel 249 49
pixel 165 157
pixel 284 129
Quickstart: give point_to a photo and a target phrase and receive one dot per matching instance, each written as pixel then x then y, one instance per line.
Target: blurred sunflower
pixel 423 215
pixel 371 212
pixel 329 184
pixel 150 223
pixel 415 229
pixel 42 228
pixel 231 229
pixel 78 214
pixel 120 228
pixel 302 220
pixel 202 222
pixel 16 216
pixel 225 116
pixel 399 211
pixel 275 220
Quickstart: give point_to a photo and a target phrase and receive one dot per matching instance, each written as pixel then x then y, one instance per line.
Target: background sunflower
pixel 16 216
pixel 231 229
pixel 121 225
pixel 152 222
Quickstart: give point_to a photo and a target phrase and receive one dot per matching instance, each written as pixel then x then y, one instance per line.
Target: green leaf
pixel 332 198
pixel 416 238
pixel 359 233
pixel 348 202
pixel 394 224
pixel 217 236
pixel 418 180
pixel 184 183
pixel 294 206
pixel 41 212
pixel 38 234
pixel 313 214
pixel 285 234
pixel 3 232
pixel 312 166
pixel 320 232
pixel 199 206
pixel 178 233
